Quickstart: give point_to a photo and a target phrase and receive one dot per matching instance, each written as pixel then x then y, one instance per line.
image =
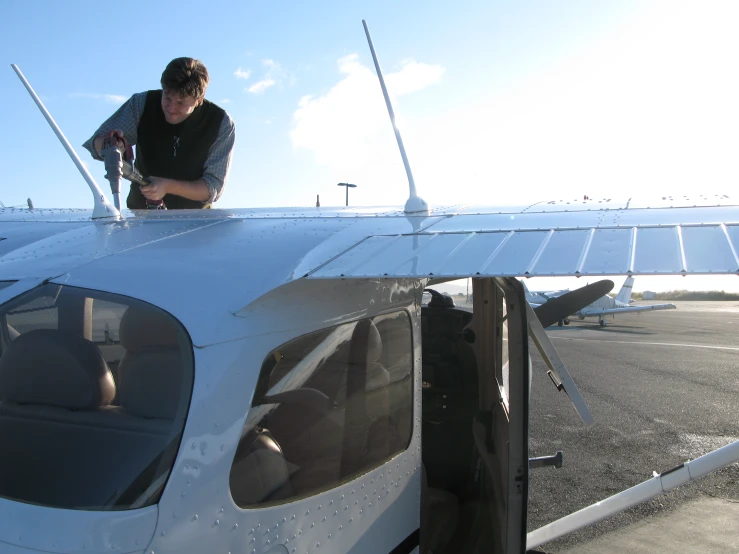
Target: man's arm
pixel 126 118
pixel 218 162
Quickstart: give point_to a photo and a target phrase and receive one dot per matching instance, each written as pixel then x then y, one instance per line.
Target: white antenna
pixel 102 208
pixel 414 204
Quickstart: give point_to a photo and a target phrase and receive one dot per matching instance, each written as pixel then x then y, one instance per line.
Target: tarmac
pixel 705 525
pixel 663 388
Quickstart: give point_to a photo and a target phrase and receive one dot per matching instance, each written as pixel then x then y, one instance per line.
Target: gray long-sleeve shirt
pixel 217 164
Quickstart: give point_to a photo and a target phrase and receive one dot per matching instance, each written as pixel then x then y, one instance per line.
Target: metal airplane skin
pixel 267 381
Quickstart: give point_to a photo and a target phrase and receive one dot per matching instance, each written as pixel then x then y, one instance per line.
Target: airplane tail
pixel 624 295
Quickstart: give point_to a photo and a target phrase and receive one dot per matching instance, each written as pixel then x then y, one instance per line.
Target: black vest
pixel 174 151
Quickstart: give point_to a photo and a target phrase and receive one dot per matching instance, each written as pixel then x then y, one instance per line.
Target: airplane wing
pixel 268 248
pixel 554 293
pixel 552 241
pixel 624 310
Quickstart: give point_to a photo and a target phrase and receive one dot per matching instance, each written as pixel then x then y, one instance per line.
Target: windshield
pixel 94 390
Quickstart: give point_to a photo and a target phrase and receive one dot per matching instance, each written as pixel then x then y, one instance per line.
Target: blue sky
pixel 498 102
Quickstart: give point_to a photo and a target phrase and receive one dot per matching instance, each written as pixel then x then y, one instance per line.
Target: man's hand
pixel 116 138
pixel 156 189
pixel 193 190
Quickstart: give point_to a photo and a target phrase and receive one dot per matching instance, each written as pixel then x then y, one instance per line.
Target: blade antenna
pixel 102 208
pixel 414 204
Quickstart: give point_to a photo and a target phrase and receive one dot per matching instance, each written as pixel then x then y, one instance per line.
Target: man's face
pixel 176 107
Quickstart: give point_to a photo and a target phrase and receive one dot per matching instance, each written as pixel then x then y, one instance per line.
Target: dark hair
pixel 186 76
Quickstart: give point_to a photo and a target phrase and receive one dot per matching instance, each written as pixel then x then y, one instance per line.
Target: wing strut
pixel 557 369
pixel 659 484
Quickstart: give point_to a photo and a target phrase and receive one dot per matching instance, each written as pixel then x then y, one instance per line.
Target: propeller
pixel 556 309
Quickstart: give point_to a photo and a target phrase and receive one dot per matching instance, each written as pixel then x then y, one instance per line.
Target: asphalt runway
pixel 663 388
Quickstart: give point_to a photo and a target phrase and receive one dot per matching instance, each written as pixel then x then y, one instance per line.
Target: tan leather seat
pixel 439 516
pixel 63 444
pixel 151 371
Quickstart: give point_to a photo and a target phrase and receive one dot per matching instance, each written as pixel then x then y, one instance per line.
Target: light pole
pixel 347 185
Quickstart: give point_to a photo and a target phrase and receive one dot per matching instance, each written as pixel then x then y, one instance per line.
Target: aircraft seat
pixel 63 444
pixel 259 472
pixel 150 372
pixel 439 516
pixel 52 368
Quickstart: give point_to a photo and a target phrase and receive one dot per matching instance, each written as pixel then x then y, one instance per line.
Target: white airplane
pixel 541 297
pixel 620 305
pixel 556 301
pixel 266 381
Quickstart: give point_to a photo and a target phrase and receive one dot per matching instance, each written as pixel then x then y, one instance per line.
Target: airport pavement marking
pixel 651 343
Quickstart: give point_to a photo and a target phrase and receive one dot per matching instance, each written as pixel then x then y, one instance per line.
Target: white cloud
pixel 641 111
pixel 242 73
pixel 109 98
pixel 348 130
pixel 414 76
pixel 260 86
pixel 274 75
pixel 225 101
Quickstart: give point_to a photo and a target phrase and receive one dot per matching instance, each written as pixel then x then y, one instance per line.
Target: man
pixel 183 142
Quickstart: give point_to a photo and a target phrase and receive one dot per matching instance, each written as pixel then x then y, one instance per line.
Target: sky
pixel 497 102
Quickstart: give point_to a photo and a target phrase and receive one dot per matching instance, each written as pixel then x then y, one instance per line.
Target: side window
pixel 328 407
pixel 100 379
pixel 40 313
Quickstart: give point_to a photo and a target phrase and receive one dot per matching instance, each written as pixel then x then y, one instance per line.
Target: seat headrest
pixel 151 383
pixel 145 328
pixel 55 368
pixel 374 341
pixel 374 346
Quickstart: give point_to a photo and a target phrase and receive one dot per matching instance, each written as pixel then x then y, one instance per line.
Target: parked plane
pixel 538 299
pixel 541 297
pixel 620 305
pixel 168 384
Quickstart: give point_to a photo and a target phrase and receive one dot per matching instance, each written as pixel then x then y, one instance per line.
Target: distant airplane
pixel 541 297
pixel 620 305
pixel 554 298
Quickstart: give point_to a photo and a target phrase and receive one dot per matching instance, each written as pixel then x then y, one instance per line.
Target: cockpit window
pixel 328 407
pixel 94 391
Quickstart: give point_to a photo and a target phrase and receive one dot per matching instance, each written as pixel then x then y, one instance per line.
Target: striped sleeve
pixel 218 162
pixel 126 118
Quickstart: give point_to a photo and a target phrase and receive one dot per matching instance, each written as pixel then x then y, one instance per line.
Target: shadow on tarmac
pixel 611 328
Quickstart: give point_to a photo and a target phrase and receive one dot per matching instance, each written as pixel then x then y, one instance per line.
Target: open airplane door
pixel 498 334
pixel 475 408
pixel 475 385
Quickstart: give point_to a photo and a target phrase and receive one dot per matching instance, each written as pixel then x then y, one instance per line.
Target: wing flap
pixel 647 250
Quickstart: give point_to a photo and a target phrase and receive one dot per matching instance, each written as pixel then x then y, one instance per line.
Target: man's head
pixel 183 88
